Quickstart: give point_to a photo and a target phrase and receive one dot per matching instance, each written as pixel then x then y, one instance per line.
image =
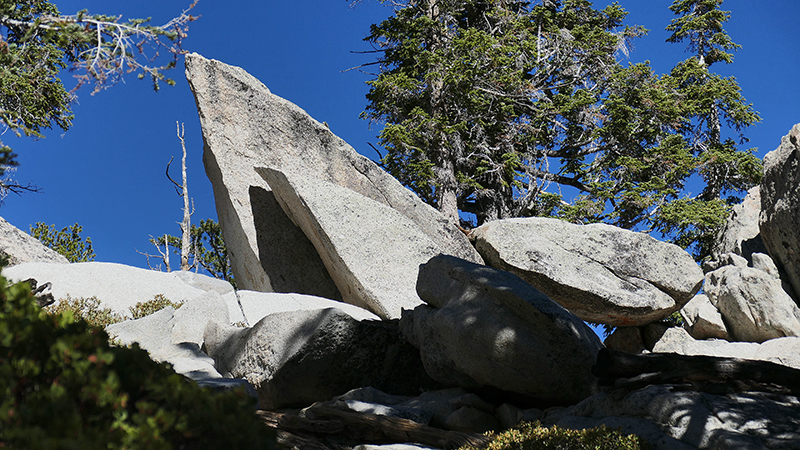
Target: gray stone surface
pixel 471 420
pixel 747 420
pixel 392 447
pixel 741 233
pixel 703 320
pixel 485 327
pixel 20 247
pixel 752 303
pixel 257 305
pixel 644 429
pixel 117 286
pixel 780 206
pixel 439 404
pixel 176 336
pixel 626 339
pixel 785 350
pixel 244 126
pixel 372 252
pixel 296 358
pixel 601 273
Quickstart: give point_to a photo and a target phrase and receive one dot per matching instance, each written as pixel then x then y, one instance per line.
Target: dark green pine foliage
pixel 37 42
pixel 67 242
pixel 716 114
pixel 506 108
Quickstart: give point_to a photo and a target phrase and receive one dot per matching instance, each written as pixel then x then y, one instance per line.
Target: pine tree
pixel 513 108
pixel 37 42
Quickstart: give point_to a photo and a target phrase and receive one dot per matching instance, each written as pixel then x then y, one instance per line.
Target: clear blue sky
pixel 107 171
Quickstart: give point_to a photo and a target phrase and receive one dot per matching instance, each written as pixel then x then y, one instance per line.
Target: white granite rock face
pixel 741 234
pixel 176 336
pixel 246 126
pixel 20 247
pixel 703 320
pixel 780 206
pixel 117 286
pixel 601 273
pixel 248 307
pixel 372 252
pixel 752 303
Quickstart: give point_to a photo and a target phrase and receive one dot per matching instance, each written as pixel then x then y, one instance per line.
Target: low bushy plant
pixel 159 302
pixel 533 436
pixel 87 309
pixel 62 386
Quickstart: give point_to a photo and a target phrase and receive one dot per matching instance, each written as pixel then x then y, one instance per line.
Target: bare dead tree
pixel 183 190
pixel 163 255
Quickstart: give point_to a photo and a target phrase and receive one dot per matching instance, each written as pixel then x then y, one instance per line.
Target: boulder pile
pixel 366 318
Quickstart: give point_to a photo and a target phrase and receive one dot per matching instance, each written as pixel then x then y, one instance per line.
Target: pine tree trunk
pixel 446 190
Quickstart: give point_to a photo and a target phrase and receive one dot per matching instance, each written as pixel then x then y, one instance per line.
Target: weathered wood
pixel 291 422
pixel 713 372
pixel 378 428
pixel 365 428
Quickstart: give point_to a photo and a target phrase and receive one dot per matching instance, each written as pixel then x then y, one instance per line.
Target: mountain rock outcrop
pixel 246 126
pixel 741 234
pixel 702 319
pixel 752 303
pixel 486 327
pixel 371 251
pixel 117 286
pixel 780 206
pixel 20 247
pixel 601 273
pixel 296 358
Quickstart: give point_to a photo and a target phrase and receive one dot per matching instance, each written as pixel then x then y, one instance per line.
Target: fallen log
pixel 368 428
pixel 632 371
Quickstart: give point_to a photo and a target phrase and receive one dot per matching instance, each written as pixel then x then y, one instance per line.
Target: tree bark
pixel 369 428
pixel 186 224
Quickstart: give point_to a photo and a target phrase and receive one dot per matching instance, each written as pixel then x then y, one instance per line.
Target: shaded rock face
pixel 246 126
pixel 20 247
pixel 485 327
pixel 746 420
pixel 780 206
pixel 371 251
pixel 752 303
pixel 296 358
pixel 626 339
pixel 601 273
pixel 741 234
pixel 785 350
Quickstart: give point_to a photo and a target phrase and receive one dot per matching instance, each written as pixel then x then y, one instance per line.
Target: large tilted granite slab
pixel 246 126
pixel 780 207
pixel 599 272
pixel 372 252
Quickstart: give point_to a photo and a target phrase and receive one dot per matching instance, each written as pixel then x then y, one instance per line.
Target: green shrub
pixel 63 386
pixel 87 309
pixel 158 303
pixel 532 436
